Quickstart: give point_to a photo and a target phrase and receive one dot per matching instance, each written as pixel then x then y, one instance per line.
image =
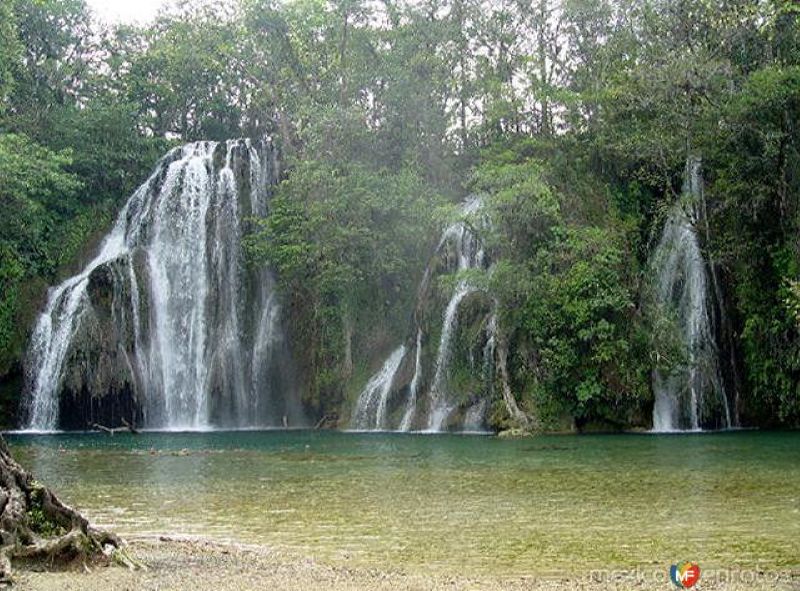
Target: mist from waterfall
pixel 199 331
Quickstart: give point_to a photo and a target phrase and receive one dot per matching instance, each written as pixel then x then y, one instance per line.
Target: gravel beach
pixel 198 565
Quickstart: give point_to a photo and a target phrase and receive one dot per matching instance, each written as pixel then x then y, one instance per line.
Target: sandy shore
pixel 192 565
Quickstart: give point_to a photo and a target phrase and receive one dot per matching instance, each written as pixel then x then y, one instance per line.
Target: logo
pixel 685 574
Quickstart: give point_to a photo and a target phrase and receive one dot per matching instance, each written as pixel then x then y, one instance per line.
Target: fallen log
pixel 130 427
pixel 126 427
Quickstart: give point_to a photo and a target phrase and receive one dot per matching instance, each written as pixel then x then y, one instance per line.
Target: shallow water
pixel 446 503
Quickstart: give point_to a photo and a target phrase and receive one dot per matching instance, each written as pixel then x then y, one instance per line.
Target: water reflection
pixel 451 503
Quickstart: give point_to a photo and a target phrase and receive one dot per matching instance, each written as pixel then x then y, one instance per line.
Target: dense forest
pixel 574 119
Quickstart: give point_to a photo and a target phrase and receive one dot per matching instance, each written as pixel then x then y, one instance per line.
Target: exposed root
pixel 514 412
pixel 121 557
pixel 36 525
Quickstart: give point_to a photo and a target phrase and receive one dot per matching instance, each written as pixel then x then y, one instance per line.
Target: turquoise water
pixel 446 503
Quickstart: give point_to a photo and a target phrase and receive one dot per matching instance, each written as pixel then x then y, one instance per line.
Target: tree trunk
pixel 343 60
pixel 347 328
pixel 35 525
pixel 513 409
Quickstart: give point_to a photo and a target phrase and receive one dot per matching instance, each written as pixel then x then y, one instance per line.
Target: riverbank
pixel 196 565
pixel 438 506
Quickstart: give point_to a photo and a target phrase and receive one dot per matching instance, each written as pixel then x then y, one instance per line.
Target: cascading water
pixel 440 409
pixel 371 407
pixel 411 406
pixel 370 412
pixel 51 336
pixel 199 333
pixel 470 256
pixel 690 395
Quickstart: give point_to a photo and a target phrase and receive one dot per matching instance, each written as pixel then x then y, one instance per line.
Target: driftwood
pixel 35 525
pixel 126 427
pixel 325 421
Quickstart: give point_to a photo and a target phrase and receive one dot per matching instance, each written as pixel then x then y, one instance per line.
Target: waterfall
pixel 470 256
pixel 370 411
pixel 440 408
pixel 202 329
pixel 371 407
pixel 690 395
pixel 413 393
pixel 51 335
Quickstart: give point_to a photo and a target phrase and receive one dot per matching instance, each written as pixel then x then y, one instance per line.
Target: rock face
pixel 168 326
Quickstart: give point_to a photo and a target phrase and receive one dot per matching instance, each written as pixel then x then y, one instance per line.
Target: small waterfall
pixel 370 411
pixel 470 256
pixel 689 396
pixel 192 357
pixel 440 408
pixel 413 389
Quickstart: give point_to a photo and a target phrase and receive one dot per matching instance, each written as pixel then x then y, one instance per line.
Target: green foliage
pixel 57 50
pixel 9 51
pixel 36 192
pixel 566 294
pixel 38 520
pixel 181 81
pixel 757 185
pixel 572 304
pixel 567 291
pixel 524 209
pixel 12 271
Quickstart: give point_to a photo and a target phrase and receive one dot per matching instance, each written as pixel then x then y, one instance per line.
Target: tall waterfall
pixel 167 323
pixel 691 395
pixel 371 407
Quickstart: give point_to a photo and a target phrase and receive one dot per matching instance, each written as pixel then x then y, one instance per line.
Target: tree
pixel 36 191
pixel 9 52
pixel 185 81
pixel 57 52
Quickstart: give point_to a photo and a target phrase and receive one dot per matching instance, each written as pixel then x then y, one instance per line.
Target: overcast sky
pixel 125 11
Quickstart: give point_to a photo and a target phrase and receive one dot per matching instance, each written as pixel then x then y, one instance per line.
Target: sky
pixel 125 11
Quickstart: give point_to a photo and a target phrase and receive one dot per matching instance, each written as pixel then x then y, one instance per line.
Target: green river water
pixel 474 505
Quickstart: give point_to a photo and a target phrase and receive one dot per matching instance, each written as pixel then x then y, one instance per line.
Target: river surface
pixel 473 505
